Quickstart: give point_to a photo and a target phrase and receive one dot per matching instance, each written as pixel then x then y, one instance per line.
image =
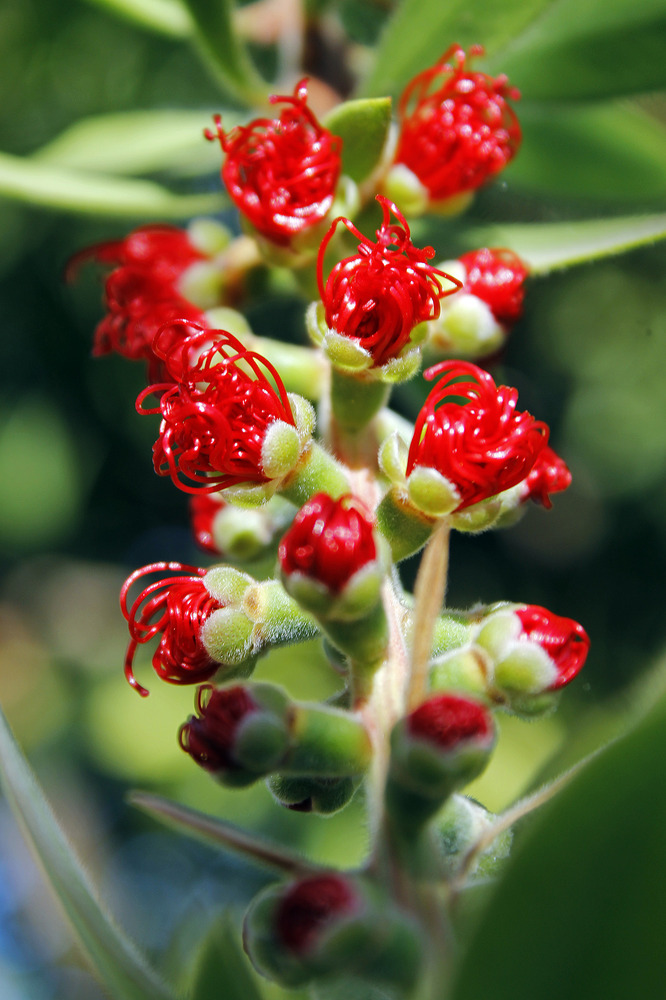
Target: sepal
pixel 458 828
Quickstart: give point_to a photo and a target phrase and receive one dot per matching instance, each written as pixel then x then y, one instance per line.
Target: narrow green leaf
pixel 581 50
pixel 119 966
pixel 221 960
pixel 363 127
pixel 607 151
pixel 168 17
pixel 218 41
pixel 221 834
pixel 581 910
pixel 137 142
pixel 421 31
pixel 551 246
pixel 88 193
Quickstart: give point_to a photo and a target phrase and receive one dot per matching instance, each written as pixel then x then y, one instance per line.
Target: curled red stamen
pixel 176 606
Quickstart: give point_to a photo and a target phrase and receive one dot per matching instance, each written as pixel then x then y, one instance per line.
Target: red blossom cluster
pixel 564 641
pixel 215 412
pixel 282 172
pixel 470 431
pixel 498 278
pixel 457 129
pixel 142 291
pixel 379 294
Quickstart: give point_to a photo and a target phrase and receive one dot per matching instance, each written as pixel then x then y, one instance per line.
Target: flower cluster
pixel 142 292
pixel 457 129
pixel 217 413
pixel 378 295
pixel 281 172
pixel 470 432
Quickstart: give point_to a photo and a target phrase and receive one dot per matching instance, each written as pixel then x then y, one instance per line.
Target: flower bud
pixel 240 733
pixel 335 928
pixel 532 651
pixel 458 828
pixel 324 796
pixel 457 130
pixel 330 558
pixel 234 533
pixel 439 747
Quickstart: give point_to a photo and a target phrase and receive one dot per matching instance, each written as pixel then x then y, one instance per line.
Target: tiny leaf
pixel 120 968
pixel 551 246
pixel 91 193
pixel 363 126
pixel 221 834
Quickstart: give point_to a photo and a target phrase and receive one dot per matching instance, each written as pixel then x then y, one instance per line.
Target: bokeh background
pixel 80 506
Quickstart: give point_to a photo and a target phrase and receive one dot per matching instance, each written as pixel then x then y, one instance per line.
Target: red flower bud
pixel 562 639
pixel 550 474
pixel 456 128
pixel 281 172
pixel 329 541
pixel 142 293
pixel 378 295
pixel 471 433
pixel 310 907
pixel 448 721
pixel 216 414
pixel 177 607
pixel 498 278
pixel 209 739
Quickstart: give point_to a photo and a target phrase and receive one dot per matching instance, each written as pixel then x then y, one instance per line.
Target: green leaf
pixel 422 30
pixel 137 142
pixel 168 17
pixel 119 966
pixel 218 833
pixel 609 151
pixel 579 49
pixel 91 193
pixel 221 960
pixel 551 246
pixel 216 38
pixel 363 127
pixel 581 911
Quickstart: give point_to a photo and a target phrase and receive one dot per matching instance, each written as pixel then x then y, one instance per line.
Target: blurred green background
pixel 80 506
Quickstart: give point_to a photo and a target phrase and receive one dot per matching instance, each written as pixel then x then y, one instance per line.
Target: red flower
pixel 209 739
pixel 216 413
pixel 471 433
pixel 550 474
pixel 378 295
pixel 564 641
pixel 329 541
pixel 310 907
pixel 141 293
pixel 498 278
pixel 281 172
pixel 449 721
pixel 177 607
pixel 456 128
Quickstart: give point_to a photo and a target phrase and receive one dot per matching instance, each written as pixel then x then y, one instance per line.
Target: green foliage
pixel 119 966
pixel 363 127
pixel 581 909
